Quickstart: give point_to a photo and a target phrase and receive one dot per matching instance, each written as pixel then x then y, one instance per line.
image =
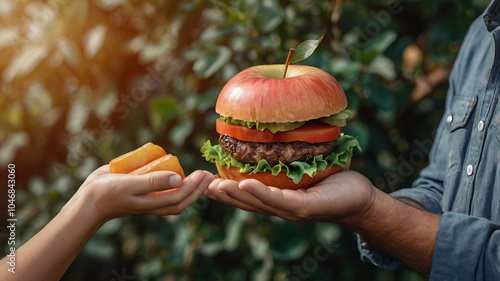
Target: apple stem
pixel 290 54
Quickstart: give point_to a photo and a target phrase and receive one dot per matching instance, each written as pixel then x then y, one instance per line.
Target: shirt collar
pixel 492 15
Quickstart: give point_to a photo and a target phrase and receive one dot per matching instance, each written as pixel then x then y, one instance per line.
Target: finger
pixel 240 198
pixel 150 182
pixel 155 200
pixel 213 188
pixel 282 199
pixel 192 197
pixel 216 191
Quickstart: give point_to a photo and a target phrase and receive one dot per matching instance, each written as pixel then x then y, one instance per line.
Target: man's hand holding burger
pixel 338 198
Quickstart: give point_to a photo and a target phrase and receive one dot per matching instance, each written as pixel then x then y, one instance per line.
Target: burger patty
pixel 273 152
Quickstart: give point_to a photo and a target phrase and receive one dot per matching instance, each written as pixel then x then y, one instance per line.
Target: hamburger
pixel 282 131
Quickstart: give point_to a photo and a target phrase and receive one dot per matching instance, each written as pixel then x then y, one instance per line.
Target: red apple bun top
pixel 260 93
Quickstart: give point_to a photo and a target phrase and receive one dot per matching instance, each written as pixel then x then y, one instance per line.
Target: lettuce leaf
pixel 338 119
pixel 273 127
pixel 295 170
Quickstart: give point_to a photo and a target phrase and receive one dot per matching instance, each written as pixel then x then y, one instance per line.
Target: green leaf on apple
pixel 305 50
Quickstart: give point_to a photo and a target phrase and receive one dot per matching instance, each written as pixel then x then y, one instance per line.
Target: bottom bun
pixel 280 180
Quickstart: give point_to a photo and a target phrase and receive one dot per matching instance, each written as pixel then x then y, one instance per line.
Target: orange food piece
pixel 135 159
pixel 164 163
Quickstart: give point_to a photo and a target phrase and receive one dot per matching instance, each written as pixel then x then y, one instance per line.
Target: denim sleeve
pixel 475 242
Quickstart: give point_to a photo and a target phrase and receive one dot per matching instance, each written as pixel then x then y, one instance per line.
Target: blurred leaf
pixel 15 115
pixel 384 67
pixel 180 244
pixel 87 167
pixel 207 99
pixel 154 50
pixel 63 185
pixel 110 227
pixel 110 4
pixel 38 100
pixel 359 129
pixel 9 36
pixel 211 248
pixel 305 50
pixel 6 8
pixel 233 229
pixel 11 145
pixel 346 72
pixel 211 61
pixel 105 105
pixel 293 246
pixel 291 250
pixel 25 62
pixel 99 248
pixel 259 246
pixel 376 46
pixel 269 15
pixel 37 186
pixel 329 233
pixel 94 39
pixel 70 52
pixel 77 117
pixel 263 272
pixel 163 110
pixel 179 133
pixel 77 13
pixel 379 94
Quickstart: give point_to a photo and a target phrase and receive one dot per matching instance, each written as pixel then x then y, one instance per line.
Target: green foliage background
pixel 83 81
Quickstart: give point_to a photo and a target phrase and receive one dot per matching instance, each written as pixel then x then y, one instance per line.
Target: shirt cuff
pixel 464 250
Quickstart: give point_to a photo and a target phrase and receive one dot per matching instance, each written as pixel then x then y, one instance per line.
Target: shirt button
pixel 470 170
pixel 480 126
pixel 449 119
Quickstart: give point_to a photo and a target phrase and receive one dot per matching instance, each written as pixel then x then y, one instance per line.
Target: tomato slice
pixel 312 132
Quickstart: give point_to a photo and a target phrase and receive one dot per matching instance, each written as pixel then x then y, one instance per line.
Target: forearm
pixel 401 229
pixel 48 254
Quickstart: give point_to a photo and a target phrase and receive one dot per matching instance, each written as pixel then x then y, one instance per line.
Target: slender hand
pixel 103 196
pixel 347 198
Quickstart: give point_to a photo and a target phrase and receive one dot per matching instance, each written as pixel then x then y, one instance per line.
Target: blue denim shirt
pixel 462 181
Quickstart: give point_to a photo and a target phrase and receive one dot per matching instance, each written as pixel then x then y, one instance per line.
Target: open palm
pixel 334 199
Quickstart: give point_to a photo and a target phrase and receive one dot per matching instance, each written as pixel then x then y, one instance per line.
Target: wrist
pixel 369 212
pixel 83 210
pixel 401 230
